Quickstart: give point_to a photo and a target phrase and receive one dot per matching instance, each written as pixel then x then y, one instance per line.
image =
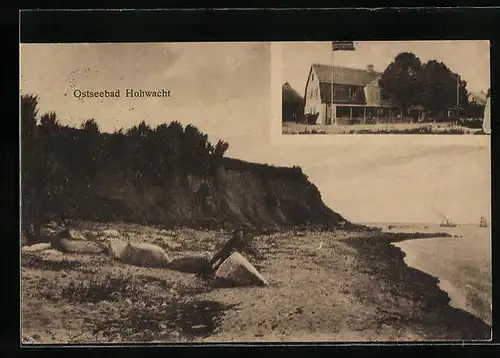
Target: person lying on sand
pixel 238 242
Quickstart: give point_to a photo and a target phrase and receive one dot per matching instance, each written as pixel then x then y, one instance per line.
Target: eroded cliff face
pixel 232 197
pixel 246 198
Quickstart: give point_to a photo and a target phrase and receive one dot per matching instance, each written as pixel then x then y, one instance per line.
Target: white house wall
pixel 313 98
pixel 372 94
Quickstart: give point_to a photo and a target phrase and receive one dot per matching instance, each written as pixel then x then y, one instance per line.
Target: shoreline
pixel 424 289
pixel 329 285
pixel 412 301
pixel 458 295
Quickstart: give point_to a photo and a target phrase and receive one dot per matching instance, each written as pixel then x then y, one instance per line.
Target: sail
pixel 447 222
pixel 483 222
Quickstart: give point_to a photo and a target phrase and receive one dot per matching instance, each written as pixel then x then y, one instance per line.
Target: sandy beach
pixel 323 286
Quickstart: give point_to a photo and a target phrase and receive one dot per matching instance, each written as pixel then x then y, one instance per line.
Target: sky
pixel 470 59
pixel 227 91
pixel 399 183
pixel 209 82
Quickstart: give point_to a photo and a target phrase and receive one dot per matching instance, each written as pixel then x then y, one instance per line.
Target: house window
pixel 352 94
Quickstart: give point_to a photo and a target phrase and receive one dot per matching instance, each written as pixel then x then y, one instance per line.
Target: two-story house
pixel 356 95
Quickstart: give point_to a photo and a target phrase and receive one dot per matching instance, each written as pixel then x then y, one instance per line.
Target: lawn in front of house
pixel 382 128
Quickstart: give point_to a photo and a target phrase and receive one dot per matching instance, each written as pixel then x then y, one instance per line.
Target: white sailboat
pixel 447 222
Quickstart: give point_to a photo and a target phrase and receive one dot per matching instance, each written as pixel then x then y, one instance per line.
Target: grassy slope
pixel 386 128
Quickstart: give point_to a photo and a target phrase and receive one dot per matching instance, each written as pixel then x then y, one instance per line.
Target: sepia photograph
pixel 156 207
pixel 386 87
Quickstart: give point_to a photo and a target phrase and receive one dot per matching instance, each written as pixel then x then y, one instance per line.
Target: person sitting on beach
pixel 236 243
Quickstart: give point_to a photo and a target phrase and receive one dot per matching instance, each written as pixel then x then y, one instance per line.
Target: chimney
pixel 369 69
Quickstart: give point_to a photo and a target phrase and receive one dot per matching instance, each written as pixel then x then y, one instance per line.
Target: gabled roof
pixel 344 75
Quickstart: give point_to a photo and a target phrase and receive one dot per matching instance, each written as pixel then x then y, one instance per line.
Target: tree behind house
pixel 292 104
pixel 407 82
pixel 400 82
pixel 439 88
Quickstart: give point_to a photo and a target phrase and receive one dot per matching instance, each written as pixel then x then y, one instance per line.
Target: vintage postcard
pixel 158 204
pixel 386 87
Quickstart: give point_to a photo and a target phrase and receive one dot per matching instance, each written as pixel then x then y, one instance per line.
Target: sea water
pixel 462 265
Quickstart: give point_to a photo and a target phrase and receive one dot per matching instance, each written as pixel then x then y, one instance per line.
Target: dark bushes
pixel 474 123
pixel 292 112
pixel 60 163
pixel 265 170
pixel 311 118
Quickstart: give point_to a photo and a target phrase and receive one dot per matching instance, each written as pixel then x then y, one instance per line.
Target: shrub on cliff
pixel 265 170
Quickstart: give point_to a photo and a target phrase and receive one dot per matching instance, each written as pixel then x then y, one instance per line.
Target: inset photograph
pixel 386 87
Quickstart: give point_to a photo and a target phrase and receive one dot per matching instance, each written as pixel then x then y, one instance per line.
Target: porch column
pixel 364 115
pixel 350 112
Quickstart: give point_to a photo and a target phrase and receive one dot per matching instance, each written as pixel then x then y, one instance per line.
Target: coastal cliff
pixel 238 194
pixel 168 175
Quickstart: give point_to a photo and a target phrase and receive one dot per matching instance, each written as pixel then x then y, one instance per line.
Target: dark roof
pixel 325 90
pixel 326 95
pixel 345 75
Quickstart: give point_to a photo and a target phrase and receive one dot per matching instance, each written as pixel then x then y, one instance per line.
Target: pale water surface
pixel 462 265
pixel 394 183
